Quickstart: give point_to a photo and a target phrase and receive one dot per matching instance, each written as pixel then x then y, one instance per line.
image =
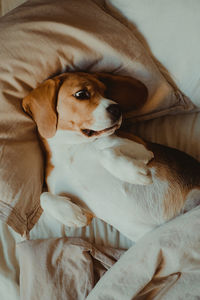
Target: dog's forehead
pixel 81 80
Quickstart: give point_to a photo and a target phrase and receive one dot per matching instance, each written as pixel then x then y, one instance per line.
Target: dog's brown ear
pixel 130 93
pixel 40 104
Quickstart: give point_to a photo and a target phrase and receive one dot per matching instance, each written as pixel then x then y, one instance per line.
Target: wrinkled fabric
pixel 64 268
pixel 164 264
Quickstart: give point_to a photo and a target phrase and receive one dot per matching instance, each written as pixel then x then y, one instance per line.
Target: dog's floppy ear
pixel 41 103
pixel 130 93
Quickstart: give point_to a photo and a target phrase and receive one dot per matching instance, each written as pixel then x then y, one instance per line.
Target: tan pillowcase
pixel 43 38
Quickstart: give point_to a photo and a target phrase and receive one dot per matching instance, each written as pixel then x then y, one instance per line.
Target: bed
pixel 173 43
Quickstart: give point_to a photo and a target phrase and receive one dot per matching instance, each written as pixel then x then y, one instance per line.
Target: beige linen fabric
pixel 38 40
pixel 64 268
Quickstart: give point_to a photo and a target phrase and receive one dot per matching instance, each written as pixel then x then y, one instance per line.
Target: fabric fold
pixel 63 268
pixel 164 264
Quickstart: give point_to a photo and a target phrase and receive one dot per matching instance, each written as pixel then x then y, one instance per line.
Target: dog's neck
pixel 67 137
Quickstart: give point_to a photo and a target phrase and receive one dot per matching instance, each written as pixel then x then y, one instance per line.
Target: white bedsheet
pixel 180 131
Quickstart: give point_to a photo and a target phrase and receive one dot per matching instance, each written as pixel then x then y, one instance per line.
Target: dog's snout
pixel 115 111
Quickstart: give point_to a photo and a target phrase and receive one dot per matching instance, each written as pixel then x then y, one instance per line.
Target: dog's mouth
pixel 90 132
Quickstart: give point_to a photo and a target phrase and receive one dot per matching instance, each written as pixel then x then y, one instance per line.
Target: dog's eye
pixel 82 95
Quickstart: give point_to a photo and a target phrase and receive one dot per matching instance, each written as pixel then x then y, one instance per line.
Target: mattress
pixel 178 131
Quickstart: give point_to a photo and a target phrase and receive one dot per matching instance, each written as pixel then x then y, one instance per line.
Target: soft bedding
pixel 164 264
pixel 66 268
pixel 139 274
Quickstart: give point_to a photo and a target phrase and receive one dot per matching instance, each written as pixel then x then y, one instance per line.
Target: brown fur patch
pixel 129 93
pixel 48 155
pixel 181 171
pixel 130 136
pixel 41 105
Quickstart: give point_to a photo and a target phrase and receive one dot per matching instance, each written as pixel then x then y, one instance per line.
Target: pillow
pixel 40 39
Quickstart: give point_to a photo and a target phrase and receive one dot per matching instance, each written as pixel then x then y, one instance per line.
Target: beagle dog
pixel 91 171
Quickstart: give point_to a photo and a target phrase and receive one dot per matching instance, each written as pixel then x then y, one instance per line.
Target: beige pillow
pixel 42 38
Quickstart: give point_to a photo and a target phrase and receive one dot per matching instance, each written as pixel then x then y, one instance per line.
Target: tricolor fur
pixel 90 171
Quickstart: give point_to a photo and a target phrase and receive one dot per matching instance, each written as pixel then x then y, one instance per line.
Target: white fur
pixel 124 159
pixel 62 209
pixel 85 176
pixel 101 115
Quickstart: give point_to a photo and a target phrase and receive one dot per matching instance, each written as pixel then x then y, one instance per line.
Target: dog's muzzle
pixel 114 112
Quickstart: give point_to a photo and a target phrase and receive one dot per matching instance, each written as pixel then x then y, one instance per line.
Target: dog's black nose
pixel 115 111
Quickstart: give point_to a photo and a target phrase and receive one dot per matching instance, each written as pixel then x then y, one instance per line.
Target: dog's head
pixel 82 103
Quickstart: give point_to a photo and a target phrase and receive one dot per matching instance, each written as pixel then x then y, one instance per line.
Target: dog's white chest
pixel 79 175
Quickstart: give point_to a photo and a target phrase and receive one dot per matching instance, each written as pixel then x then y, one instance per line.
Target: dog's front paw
pixel 136 151
pixel 139 173
pixel 125 167
pixel 65 211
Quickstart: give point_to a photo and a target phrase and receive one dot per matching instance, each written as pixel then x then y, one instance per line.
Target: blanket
pixel 164 264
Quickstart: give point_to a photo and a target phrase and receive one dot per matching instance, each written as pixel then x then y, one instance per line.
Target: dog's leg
pixel 125 159
pixel 125 168
pixel 65 211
